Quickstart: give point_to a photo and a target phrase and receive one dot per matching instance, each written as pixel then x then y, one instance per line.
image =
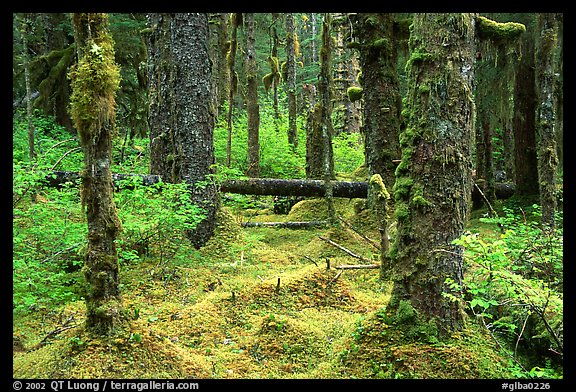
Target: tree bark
pixel 252 98
pixel 218 49
pixel 524 120
pixel 382 102
pixel 181 112
pixel 291 81
pixel 546 117
pixel 95 80
pixel 24 31
pixel 434 179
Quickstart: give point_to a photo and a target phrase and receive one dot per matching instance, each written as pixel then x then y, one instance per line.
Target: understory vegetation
pixel 259 302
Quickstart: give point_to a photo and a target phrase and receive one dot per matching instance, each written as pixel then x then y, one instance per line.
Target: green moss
pixel 401 212
pixel 380 44
pixel 423 88
pixel 496 31
pixel 418 56
pixel 377 182
pixel 354 93
pixel 402 187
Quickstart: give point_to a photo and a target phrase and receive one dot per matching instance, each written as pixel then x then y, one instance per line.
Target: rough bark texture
pixel 314 145
pixel 382 101
pixel 546 119
pixel 324 86
pixel 524 121
pixel 434 179
pixel 291 81
pixel 95 80
pixel 218 49
pixel 252 98
pixel 181 117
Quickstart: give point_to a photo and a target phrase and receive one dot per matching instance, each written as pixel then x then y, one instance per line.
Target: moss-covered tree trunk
pixel 218 49
pixel 524 120
pixel 95 80
pixel 24 23
pixel 546 69
pixel 434 179
pixel 324 87
pixel 181 117
pixel 252 97
pixel 381 91
pixel 291 81
pixel 235 21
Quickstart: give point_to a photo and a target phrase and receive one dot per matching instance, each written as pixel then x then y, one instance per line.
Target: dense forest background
pixel 447 264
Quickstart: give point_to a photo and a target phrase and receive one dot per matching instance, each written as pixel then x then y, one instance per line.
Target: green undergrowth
pixel 253 303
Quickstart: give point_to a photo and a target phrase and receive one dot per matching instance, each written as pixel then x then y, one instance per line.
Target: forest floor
pixel 258 303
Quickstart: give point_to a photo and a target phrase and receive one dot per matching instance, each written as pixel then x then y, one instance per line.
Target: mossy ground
pixel 255 303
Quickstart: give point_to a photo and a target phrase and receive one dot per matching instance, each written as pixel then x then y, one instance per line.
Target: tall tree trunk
pixel 218 50
pixel 381 91
pixel 434 179
pixel 235 21
pixel 546 69
pixel 324 86
pixel 524 120
pixel 252 98
pixel 181 116
pixel 24 31
pixel 95 80
pixel 291 81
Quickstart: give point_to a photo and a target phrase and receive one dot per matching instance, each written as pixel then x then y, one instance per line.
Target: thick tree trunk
pixel 546 120
pixel 252 98
pixel 381 91
pixel 218 50
pixel 95 80
pixel 291 81
pixel 181 112
pixel 24 29
pixel 524 121
pixel 434 179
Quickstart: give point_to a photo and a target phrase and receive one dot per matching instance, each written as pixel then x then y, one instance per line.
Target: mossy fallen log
pixel 287 225
pixel 264 186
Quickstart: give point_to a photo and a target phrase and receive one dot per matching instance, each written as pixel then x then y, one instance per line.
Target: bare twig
pixel 58 330
pixel 309 258
pixel 64 156
pixel 345 250
pixel 368 240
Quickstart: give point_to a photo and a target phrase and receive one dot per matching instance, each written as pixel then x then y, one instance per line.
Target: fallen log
pixel 59 178
pixel 358 266
pixel 268 186
pixel 281 187
pixel 288 225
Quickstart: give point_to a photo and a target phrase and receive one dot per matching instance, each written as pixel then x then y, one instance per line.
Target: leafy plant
pixel 512 282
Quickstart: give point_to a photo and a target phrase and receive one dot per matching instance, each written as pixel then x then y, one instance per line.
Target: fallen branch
pixel 358 266
pixel 58 330
pixel 288 225
pixel 344 249
pixel 368 240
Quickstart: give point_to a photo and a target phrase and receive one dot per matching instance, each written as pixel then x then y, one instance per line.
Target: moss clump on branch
pixel 354 93
pixel 493 30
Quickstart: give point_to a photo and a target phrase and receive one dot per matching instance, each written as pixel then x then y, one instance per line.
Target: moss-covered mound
pixel 256 303
pixel 381 346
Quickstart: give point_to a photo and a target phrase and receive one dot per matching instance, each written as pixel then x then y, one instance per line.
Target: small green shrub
pixel 514 282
